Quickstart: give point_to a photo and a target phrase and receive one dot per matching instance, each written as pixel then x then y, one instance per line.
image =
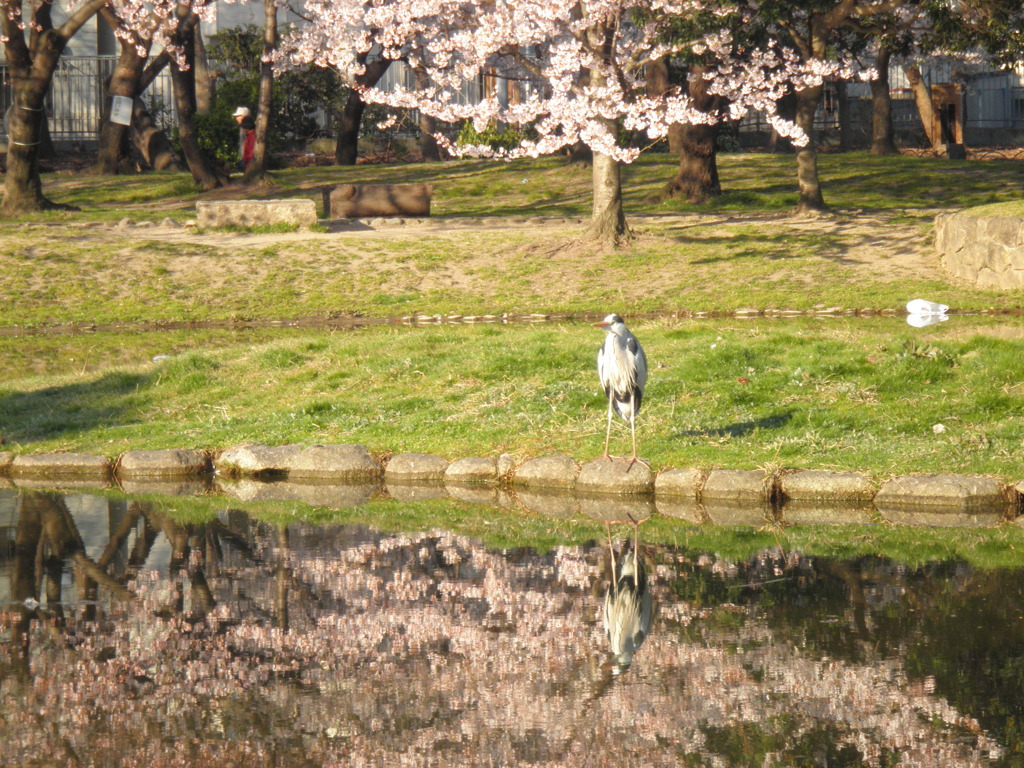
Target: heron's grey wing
pixel 646 614
pixel 640 365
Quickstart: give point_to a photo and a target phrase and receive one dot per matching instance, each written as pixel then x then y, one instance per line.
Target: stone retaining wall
pixel 985 251
pixel 718 494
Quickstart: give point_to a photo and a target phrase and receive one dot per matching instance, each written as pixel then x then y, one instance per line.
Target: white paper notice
pixel 121 110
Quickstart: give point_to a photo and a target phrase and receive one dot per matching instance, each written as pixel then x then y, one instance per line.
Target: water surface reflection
pixel 132 638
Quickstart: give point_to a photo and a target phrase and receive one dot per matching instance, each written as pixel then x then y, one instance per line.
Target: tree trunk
pixel 256 172
pixel 124 82
pixel 659 84
pixel 147 136
pixel 811 198
pixel 843 114
pixel 881 107
pixel 204 77
pixel 608 222
pixel 23 187
pixel 925 105
pixel 428 144
pixel 346 145
pixel 184 83
pixel 696 178
pixel 151 141
pixel 581 154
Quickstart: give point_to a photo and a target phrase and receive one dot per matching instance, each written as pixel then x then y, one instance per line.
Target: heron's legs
pixel 611 554
pixel 608 433
pixel 632 428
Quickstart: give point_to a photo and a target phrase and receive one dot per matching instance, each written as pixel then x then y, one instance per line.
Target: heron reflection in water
pixel 627 603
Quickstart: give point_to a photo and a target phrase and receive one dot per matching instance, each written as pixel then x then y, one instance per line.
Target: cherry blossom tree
pixel 33 45
pixel 584 67
pixel 359 66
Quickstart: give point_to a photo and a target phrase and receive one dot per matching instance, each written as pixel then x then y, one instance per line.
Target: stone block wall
pixel 985 251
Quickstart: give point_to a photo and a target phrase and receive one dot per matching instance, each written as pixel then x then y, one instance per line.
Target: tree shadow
pixel 45 414
pixel 740 428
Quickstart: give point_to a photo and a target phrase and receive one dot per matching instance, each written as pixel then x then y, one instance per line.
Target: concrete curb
pixel 608 487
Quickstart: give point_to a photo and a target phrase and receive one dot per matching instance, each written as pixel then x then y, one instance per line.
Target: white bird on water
pixel 622 369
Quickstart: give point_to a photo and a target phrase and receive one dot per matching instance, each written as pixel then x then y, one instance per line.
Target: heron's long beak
pixel 602 324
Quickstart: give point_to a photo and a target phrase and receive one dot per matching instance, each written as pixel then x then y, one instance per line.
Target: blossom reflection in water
pixel 133 637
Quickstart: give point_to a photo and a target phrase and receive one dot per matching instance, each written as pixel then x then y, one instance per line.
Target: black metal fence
pixel 74 105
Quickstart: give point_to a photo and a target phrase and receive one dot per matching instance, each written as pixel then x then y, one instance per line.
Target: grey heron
pixel 622 369
pixel 627 603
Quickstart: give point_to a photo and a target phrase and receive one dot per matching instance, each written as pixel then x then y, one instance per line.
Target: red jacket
pixel 248 146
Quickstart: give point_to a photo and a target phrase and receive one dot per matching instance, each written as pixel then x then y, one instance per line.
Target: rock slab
pixel 679 483
pixel 620 477
pixel 62 465
pixel 165 463
pixel 824 485
pixel 257 459
pixel 255 213
pixel 474 470
pixel 335 462
pixel 955 492
pixel 745 485
pixel 358 201
pixel 416 467
pixel 548 472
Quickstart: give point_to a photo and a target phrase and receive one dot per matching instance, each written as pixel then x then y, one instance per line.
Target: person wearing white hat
pixel 246 134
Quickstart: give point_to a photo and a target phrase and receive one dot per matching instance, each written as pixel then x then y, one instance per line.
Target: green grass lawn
pixel 740 250
pixel 845 394
pixel 548 186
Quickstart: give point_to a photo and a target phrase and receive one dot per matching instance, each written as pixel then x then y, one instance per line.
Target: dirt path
pixel 872 242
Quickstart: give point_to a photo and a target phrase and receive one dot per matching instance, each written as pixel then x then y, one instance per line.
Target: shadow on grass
pixel 46 414
pixel 740 428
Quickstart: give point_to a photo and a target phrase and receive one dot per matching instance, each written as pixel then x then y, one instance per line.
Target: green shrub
pixel 505 138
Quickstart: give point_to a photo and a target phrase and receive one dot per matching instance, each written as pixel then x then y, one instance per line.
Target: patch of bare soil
pixel 890 250
pixel 872 243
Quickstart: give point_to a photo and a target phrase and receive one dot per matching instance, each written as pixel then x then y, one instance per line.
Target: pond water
pixel 130 636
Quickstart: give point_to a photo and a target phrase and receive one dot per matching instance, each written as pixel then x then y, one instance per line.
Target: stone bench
pixel 255 213
pixel 358 201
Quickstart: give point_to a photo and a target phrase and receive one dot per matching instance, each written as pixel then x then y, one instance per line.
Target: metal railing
pixel 74 105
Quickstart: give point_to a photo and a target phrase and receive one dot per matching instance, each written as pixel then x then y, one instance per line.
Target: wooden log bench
pixel 357 201
pixel 255 213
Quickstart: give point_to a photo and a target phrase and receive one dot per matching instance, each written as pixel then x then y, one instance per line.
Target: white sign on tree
pixel 121 110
